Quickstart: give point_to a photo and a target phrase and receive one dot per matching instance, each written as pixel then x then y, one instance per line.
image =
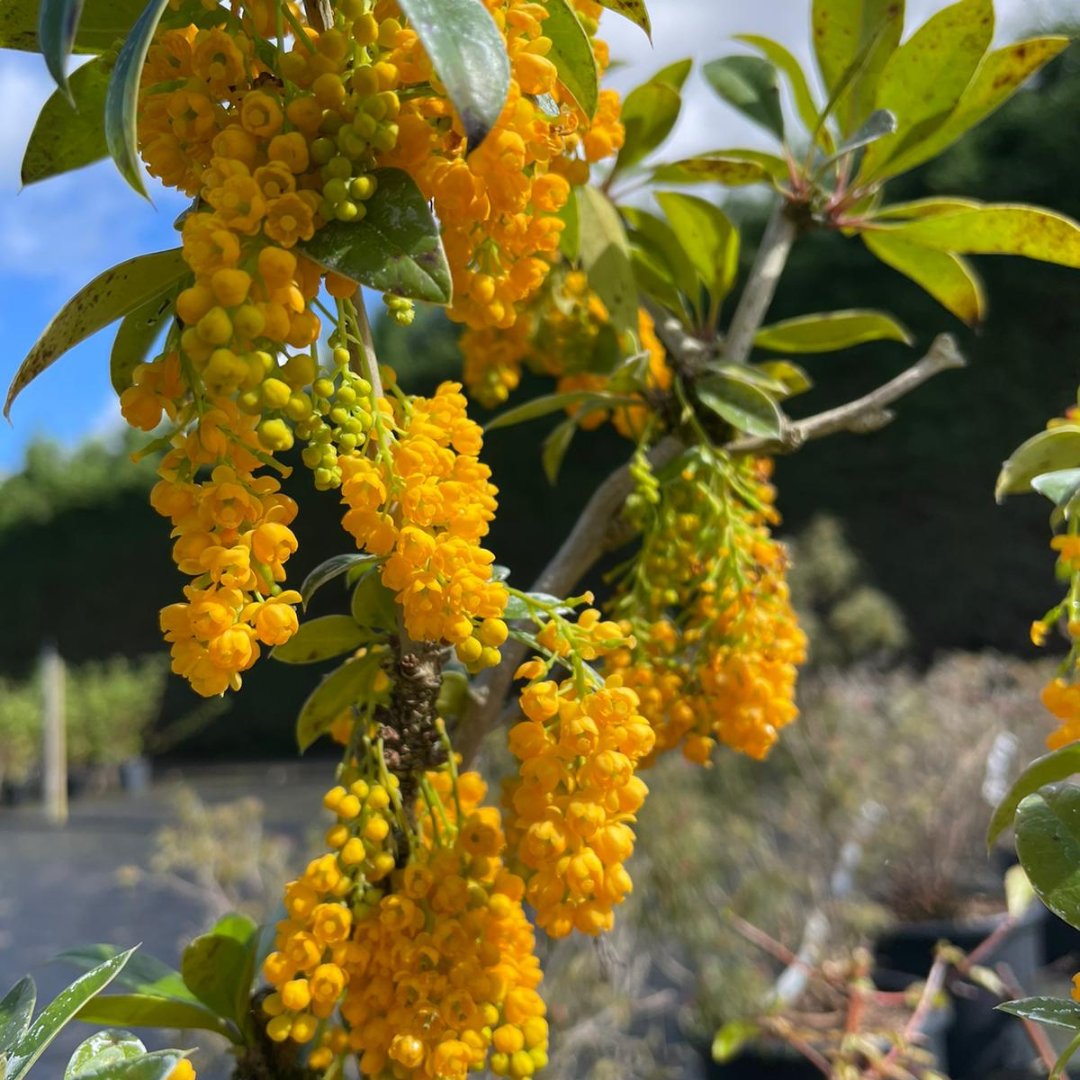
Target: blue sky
pixel 55 236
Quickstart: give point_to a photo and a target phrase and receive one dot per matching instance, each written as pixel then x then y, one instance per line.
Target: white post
pixel 54 749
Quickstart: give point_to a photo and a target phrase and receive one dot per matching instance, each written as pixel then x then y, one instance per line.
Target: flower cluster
pixel 576 794
pixel 425 503
pixel 710 585
pixel 426 970
pixel 499 202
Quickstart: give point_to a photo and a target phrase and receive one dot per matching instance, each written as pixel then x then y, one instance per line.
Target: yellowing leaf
pixel 930 207
pixel 999 76
pixel 923 80
pixel 830 331
pixel 849 35
pixel 634 10
pixel 946 277
pixel 999 229
pixel 730 171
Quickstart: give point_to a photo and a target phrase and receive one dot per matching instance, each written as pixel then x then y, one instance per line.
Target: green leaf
pixel 570 237
pixel 731 1038
pixel 751 85
pixel 587 400
pixel 1060 487
pixel 373 605
pixel 337 691
pixel 746 407
pixel 998 229
pixel 67 136
pixel 157 1065
pixel 634 10
pixel 110 296
pixel 58 21
pixel 151 1011
pixel 396 248
pixel 217 968
pixel 16 1009
pixel 792 377
pixel 103 24
pixel 554 449
pixel 998 77
pixel 801 93
pixel 143 973
pixel 605 255
pixel 707 236
pixel 879 123
pixel 674 75
pixel 929 207
pixel 853 40
pixel 138 332
pixel 468 54
pixel 830 332
pixel 945 276
pixel 1049 451
pixel 658 240
pixel 1059 765
pixel 655 279
pixel 334 567
pixel 101 1049
pixel 572 54
pixel 57 1014
pixel 320 639
pixel 924 79
pixel 122 99
pixel 1048 844
pixel 649 112
pixel 718 169
pixel 1058 1012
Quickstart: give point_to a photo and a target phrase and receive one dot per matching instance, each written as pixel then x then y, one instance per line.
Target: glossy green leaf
pixel 1048 844
pixel 104 23
pixel 746 407
pixel 648 114
pixel 655 280
pixel 372 605
pixel 570 237
pixel 634 10
pixel 586 401
pixel 109 297
pixel 707 236
pixel 218 967
pixel 1049 451
pixel 656 237
pixel 58 20
pixel 326 571
pixel 730 171
pixel 101 1049
pixel 792 377
pixel 350 683
pixel 751 85
pixel 924 79
pixel 122 99
pixel 396 248
pixel 1048 769
pixel 1001 73
pixel 945 276
pixel 605 255
pixel 803 96
pixel 553 452
pixel 1060 487
pixel 853 40
pixel 157 1065
pixel 1058 1012
pixel 878 124
pixel 151 1011
pixel 58 1012
pixel 321 639
pixel 67 137
pixel 469 56
pixel 138 332
pixel 830 331
pixel 142 973
pixel 572 54
pixel 16 1010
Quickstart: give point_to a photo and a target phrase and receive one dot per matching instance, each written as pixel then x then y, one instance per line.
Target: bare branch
pixel 864 414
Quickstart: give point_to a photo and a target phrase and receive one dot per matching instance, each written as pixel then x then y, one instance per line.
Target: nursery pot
pixel 982 1043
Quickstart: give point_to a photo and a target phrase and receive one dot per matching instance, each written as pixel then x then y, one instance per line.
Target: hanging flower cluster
pixel 717 642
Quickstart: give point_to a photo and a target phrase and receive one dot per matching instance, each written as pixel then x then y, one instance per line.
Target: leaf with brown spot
pixel 634 10
pixel 110 296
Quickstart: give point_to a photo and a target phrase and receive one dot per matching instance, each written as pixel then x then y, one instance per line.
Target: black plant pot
pixel 983 1044
pixel 1060 940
